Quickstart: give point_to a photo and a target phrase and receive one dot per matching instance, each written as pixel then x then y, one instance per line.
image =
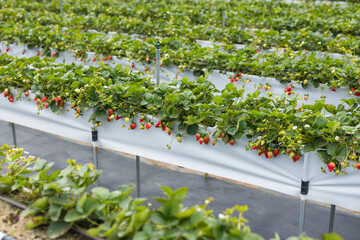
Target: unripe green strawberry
pixel 179 139
pixel 127 119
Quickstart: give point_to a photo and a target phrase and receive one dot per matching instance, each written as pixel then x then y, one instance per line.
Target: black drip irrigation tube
pixel 75 229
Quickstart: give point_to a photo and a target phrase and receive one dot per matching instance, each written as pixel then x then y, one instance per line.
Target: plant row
pixel 286 66
pixel 277 15
pixel 302 39
pixel 274 124
pixel 62 199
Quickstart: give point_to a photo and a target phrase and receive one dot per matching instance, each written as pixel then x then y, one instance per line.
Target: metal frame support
pixel 223 17
pixel 158 62
pixel 332 218
pixel 61 8
pixel 13 133
pixel 304 191
pixel 94 138
pixel 206 175
pixel 138 186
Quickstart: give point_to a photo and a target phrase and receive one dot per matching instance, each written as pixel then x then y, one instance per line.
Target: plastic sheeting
pixel 233 162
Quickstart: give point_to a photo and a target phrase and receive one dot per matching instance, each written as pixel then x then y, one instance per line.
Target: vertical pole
pixel 302 215
pixel 94 137
pixel 14 133
pixel 223 17
pixel 61 8
pixel 206 175
pixel 137 176
pixel 332 217
pixel 157 62
pixel 304 191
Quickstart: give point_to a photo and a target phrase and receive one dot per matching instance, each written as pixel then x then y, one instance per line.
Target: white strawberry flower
pixel 307 126
pixel 294 127
pixel 337 138
pixel 221 216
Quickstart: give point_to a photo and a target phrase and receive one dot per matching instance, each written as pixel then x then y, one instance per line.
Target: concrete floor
pixel 269 212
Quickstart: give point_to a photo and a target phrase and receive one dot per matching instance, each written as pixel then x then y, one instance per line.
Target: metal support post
pixel 61 8
pixel 332 217
pixel 304 191
pixel 14 133
pixel 94 137
pixel 223 17
pixel 138 176
pixel 206 175
pixel 157 62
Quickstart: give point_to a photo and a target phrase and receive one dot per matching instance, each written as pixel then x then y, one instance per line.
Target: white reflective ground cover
pixel 233 162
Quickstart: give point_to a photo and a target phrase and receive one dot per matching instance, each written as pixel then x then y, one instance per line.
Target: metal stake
pixel 137 176
pixel 94 137
pixel 157 62
pixel 304 192
pixel 14 133
pixel 223 17
pixel 61 8
pixel 332 217
pixel 302 216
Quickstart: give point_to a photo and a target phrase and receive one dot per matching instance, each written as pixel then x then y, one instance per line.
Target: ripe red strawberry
pixel 7 49
pixel 58 98
pixel 169 132
pixel 239 74
pixel 23 52
pixel 144 39
pixel 53 54
pixel 38 53
pixel 35 98
pixel 26 94
pixel 288 89
pixel 141 120
pixel 270 154
pixel 59 103
pixel 213 142
pixel 147 126
pixel 256 147
pixel 358 166
pixel 132 65
pixel 232 80
pixel 6 94
pixel 232 141
pixel 306 98
pixel 44 99
pixel 222 135
pixel 37 102
pixel 206 139
pixel 275 152
pixel 163 127
pixel 266 154
pixel 110 111
pixel 198 136
pixel 94 59
pixel 158 124
pixel 257 51
pixel 201 140
pixel 47 105
pixel 53 99
pixel 109 119
pixel 357 94
pixel 236 79
pixel 11 100
pixel 110 57
pixel 333 89
pixel 296 158
pixel 132 126
pixel 117 117
pixel 103 59
pixel 331 166
pixel 147 59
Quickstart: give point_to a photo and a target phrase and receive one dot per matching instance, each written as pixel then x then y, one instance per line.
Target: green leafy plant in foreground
pixel 65 200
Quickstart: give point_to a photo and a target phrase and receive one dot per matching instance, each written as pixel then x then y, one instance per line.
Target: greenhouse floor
pixel 269 211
